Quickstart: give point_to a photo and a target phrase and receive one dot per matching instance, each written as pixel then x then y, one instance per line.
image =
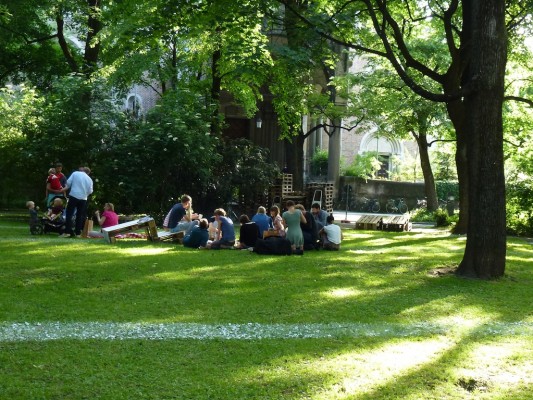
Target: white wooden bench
pixel 147 223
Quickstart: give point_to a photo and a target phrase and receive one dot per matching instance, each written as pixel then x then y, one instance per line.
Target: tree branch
pixel 28 41
pixel 519 99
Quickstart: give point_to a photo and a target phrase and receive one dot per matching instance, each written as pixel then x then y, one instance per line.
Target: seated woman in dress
pixel 309 229
pixel 292 219
pixel 278 229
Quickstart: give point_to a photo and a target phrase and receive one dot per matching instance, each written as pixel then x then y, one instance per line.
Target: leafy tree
pixel 386 105
pixel 146 165
pixel 19 115
pixel 466 45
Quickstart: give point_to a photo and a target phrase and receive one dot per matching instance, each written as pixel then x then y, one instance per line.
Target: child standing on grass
pixel 34 216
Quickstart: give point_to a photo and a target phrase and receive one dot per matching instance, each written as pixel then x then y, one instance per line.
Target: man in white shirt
pixel 80 186
pixel 331 235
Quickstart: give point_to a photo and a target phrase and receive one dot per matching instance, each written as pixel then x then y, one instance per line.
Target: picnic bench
pixel 146 223
pixel 399 223
pixel 369 222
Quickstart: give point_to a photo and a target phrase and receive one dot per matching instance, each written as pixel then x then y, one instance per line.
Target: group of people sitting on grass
pixel 290 232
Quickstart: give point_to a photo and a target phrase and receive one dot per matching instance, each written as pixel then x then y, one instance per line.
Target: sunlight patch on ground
pixel 364 370
pixel 342 293
pixel 145 251
pixel 471 316
pixel 506 362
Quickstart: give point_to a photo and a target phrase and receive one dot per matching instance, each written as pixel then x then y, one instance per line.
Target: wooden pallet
pixel 399 223
pixel 369 222
pixel 146 223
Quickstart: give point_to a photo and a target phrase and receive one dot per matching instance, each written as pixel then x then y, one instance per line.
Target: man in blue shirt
pixel 226 231
pixel 262 220
pixel 179 219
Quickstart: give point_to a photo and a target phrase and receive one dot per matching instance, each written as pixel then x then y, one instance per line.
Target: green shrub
pixel 519 209
pixel 422 215
pixel 319 163
pixel 441 218
pixel 364 166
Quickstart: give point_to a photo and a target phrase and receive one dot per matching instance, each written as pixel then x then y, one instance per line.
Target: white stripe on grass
pixel 17 332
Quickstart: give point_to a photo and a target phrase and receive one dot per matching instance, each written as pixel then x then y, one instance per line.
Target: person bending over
pixel 226 232
pixel 198 236
pixel 331 235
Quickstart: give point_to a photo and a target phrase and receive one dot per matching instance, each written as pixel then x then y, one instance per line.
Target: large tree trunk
pixel 216 88
pixel 456 112
pixel 92 46
pixel 485 250
pixel 429 180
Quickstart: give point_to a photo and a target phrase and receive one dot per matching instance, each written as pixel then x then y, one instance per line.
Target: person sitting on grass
pixel 249 232
pixel 309 229
pixel 320 216
pixel 180 218
pixel 278 229
pixel 225 231
pixel 198 236
pixel 292 218
pixel 263 221
pixel 331 235
pixel 108 218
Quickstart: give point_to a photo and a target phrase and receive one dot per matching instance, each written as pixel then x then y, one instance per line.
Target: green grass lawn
pixel 373 321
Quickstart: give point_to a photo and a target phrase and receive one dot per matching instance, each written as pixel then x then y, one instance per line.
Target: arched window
pixel 384 147
pixel 134 105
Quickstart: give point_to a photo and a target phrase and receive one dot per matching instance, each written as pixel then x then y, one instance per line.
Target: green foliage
pixel 19 117
pixel 422 215
pixel 364 166
pixel 245 174
pixel 441 217
pixel 319 163
pixel 520 208
pixel 146 165
pixel 445 189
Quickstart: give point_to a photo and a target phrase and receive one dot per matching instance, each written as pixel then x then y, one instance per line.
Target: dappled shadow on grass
pixel 375 277
pixel 361 368
pixel 143 281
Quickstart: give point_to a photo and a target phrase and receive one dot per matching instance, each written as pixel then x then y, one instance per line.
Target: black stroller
pixel 45 224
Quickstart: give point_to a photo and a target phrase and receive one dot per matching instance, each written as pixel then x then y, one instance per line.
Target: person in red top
pixel 53 187
pixel 62 178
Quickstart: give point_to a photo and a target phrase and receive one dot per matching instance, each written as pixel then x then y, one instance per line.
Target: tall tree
pixel 484 23
pixel 394 24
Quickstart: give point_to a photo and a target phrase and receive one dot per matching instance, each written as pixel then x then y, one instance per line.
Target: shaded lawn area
pixel 378 278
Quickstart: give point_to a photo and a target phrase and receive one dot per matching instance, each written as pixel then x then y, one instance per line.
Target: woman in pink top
pixel 108 217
